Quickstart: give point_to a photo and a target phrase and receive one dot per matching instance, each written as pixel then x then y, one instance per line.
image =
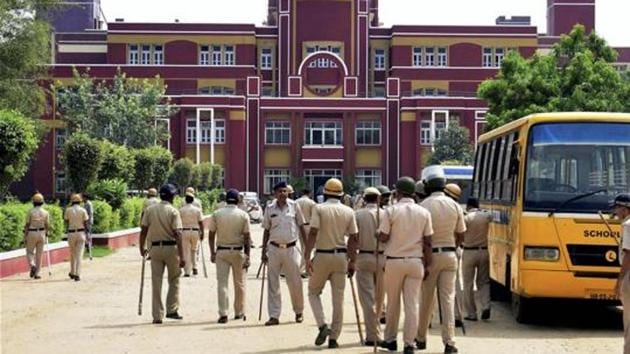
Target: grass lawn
pixel 98 251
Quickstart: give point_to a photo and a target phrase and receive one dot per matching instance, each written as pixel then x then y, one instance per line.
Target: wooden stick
pixel 356 309
pixel 203 260
pixel 48 255
pixel 612 233
pixel 144 258
pixel 262 291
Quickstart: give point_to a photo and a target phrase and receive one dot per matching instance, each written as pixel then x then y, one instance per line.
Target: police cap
pixel 168 190
pixel 232 195
pixel 406 185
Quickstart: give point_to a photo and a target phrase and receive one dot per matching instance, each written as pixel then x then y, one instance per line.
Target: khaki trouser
pixel 35 249
pixel 76 241
pixel 165 257
pixel 476 260
pixel 302 247
pixel 370 296
pixel 226 260
pixel 331 267
pixel 459 286
pixel 286 260
pixel 403 276
pixel 190 240
pixel 625 300
pixel 441 276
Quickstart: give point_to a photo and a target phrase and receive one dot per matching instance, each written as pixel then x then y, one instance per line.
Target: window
pixel 442 57
pixel 206 138
pixel 368 178
pixel 368 133
pixel 204 55
pixel 219 131
pixel 441 93
pixel 499 54
pixel 267 91
pixel 145 59
pixel 334 50
pixel 309 51
pixel 429 91
pixel 323 62
pixel 229 55
pixel 316 179
pixel 425 133
pixel 273 177
pixel 277 133
pixel 429 59
pixel 417 56
pixel 265 59
pixel 216 55
pixel 216 90
pixel 379 90
pixel 487 57
pixel 379 59
pixel 323 133
pixel 60 182
pixel 158 54
pixel 133 54
pixel 60 138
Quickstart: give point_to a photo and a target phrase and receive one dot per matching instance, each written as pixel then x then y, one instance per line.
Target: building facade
pixel 320 90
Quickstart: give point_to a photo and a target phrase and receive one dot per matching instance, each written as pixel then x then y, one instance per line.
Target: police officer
pixel 230 227
pixel 453 191
pixel 621 209
pixel 406 227
pixel 306 206
pixel 330 223
pixel 151 199
pixel 385 195
pixel 76 224
pixel 476 259
pixel 196 202
pixel 420 193
pixel 192 233
pixel 87 205
pixel 447 219
pixel 221 203
pixel 283 222
pixel 291 191
pixel 35 231
pixel 162 230
pixel 370 263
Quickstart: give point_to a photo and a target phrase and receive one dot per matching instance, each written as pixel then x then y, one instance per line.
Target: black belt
pixel 236 248
pixel 415 257
pixel 36 230
pixel 75 230
pixel 443 249
pixel 370 252
pixel 476 248
pixel 336 250
pixel 163 243
pixel 190 229
pixel 283 245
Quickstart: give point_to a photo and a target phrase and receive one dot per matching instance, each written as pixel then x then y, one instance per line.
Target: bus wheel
pixel 522 308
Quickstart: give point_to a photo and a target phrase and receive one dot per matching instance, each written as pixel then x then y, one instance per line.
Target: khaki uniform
pixel 624 249
pixel 475 258
pixel 369 275
pixel 284 225
pixel 221 205
pixel 148 202
pixel 37 221
pixel 162 220
pixel 191 217
pixel 333 221
pixel 447 218
pixel 306 205
pixel 407 224
pixel 230 224
pixel 76 217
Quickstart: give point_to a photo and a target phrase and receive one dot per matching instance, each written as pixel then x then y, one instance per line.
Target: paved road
pixel 98 315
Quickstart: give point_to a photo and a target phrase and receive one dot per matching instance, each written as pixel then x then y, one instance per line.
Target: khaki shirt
pixel 334 221
pixel 447 218
pixel 477 225
pixel 191 216
pixel 367 224
pixel 76 216
pixel 148 202
pixel 229 223
pixel 306 205
pixel 220 205
pixel 37 218
pixel 162 219
pixel 407 224
pixel 283 223
pixel 624 245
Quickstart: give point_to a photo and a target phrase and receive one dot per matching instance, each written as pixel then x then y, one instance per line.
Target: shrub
pixel 209 199
pixel 113 191
pixel 162 162
pixel 181 174
pixel 102 217
pixel 202 176
pixel 217 180
pixel 82 157
pixel 19 138
pixel 130 213
pixel 118 162
pixel 57 226
pixel 151 167
pixel 114 223
pixel 12 219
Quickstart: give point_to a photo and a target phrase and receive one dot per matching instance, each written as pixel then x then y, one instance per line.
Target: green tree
pixel 18 142
pixel 82 157
pixel 118 162
pixel 151 167
pixel 217 176
pixel 182 173
pixel 112 191
pixel 24 47
pixel 123 111
pixel 453 145
pixel 202 176
pixel 576 76
pixel 162 162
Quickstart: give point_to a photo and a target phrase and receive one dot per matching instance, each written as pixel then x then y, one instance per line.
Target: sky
pixel 609 21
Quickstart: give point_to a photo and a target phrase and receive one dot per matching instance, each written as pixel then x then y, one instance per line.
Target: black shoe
pixel 36 277
pixel 304 275
pixel 186 275
pixel 408 349
pixel 174 316
pixel 421 345
pixel 240 317
pixel 450 349
pixel 332 344
pixel 77 278
pixel 370 343
pixel 195 271
pixel 71 275
pixel 157 321
pixel 299 318
pixel 485 315
pixel 32 273
pixel 459 323
pixel 272 322
pixel 223 319
pixel 383 320
pixel 391 346
pixel 324 332
pixel 470 318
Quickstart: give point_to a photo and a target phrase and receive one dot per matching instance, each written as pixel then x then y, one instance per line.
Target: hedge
pixel 13 218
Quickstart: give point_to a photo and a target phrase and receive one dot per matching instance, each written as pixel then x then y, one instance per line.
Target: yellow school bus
pixel 545 177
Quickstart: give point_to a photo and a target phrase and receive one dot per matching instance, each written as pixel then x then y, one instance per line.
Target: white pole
pixel 198 138
pixel 212 135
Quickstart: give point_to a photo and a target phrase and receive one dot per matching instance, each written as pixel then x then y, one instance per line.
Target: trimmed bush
pixel 181 174
pixel 202 176
pixel 13 218
pixel 162 162
pixel 113 191
pixel 114 224
pixel 118 162
pixel 18 135
pixel 57 225
pixel 130 213
pixel 102 217
pixel 82 157
pixel 151 167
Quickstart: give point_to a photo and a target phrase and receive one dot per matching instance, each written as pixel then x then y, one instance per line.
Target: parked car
pixel 252 205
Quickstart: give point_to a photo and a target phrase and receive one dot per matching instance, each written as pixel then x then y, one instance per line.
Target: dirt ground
pixel 99 315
